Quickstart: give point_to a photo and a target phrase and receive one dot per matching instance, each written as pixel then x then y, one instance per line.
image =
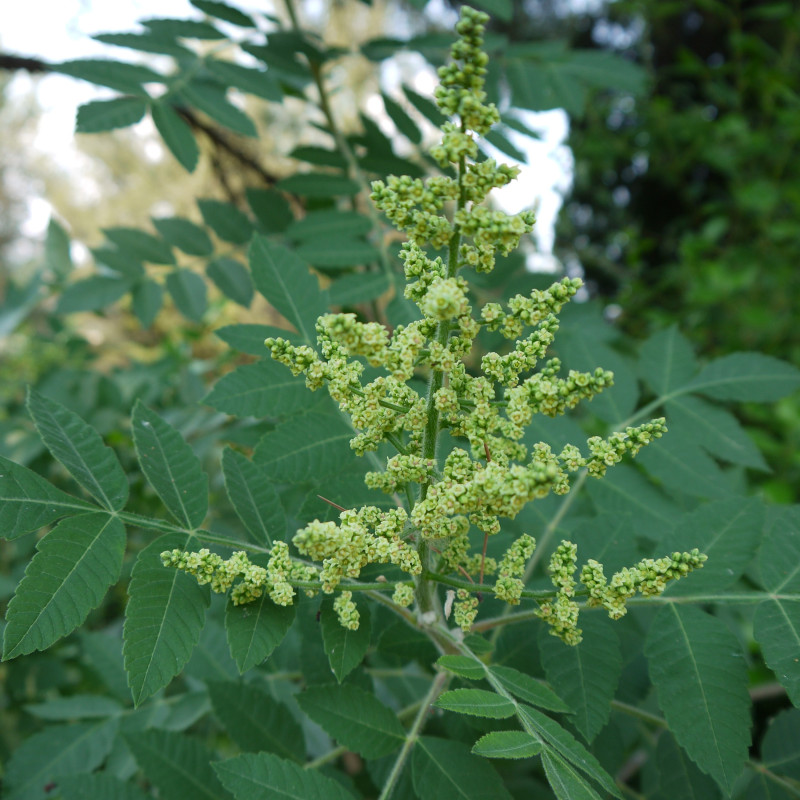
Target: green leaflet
pixel 679 775
pixel 697 667
pixel 564 781
pixel 232 279
pixel 107 115
pixel 345 648
pixel 178 765
pixel 127 78
pixel 255 721
pixel 717 430
pixel 57 750
pixel 211 659
pixel 182 29
pixel 337 252
pixel 321 224
pixel 247 79
pixel 507 744
pixel 57 253
pixel 402 121
pixel 69 575
pixel 266 777
pixel 223 11
pixel 463 666
pixel 286 282
pixel 188 291
pixel 177 135
pixel 103 651
pixel 354 718
pixel 585 676
pixel 227 221
pixel 254 630
pixel 185 235
pixel 76 706
pixel 99 785
pixel 146 43
pixel 263 389
pixel 29 502
pixel 358 288
pixel 727 531
pixel 80 450
pixel 119 260
pixel 779 555
pixel 780 750
pixel 146 300
pixel 319 184
pixel 163 620
pixel 170 466
pixel 476 702
pixel 444 768
pixel 140 245
pixel 92 294
pixel 776 627
pixel 209 97
pixel 746 376
pixel 529 689
pixel 249 338
pixel 253 498
pixel 305 446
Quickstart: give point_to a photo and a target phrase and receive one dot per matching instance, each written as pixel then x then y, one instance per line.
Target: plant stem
pixel 437 687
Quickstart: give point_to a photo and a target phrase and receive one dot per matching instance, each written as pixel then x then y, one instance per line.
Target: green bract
pixel 490 409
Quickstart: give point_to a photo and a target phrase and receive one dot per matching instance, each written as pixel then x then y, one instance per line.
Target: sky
pixel 71 23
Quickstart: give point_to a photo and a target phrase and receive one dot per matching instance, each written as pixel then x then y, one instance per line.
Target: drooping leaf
pixel 28 502
pixel 255 629
pixel 586 675
pixel 97 785
pixel 80 449
pixel 424 105
pixel 188 292
pixel 170 466
pixel 107 115
pixel 177 764
pixel 146 300
pixel 140 244
pixel 185 235
pixel 43 758
pixel 265 776
pixel 507 744
pixel 445 768
pixel 476 702
pixel 254 498
pixel 232 279
pixel 164 617
pixel 345 648
pixel 286 282
pixel 305 446
pixel 715 429
pixel 679 775
pixel 698 670
pixel 354 718
pixel 227 221
pixel 319 184
pixel 177 135
pixel 569 748
pixel 92 294
pixel 69 575
pixel 263 389
pixel 727 531
pixel 401 119
pixel 255 721
pixel 746 377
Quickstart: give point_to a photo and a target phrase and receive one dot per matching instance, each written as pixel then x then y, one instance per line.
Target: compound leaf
pixel 107 115
pixel 188 292
pixel 507 744
pixel 255 629
pixel 476 702
pixel 746 377
pixel 177 135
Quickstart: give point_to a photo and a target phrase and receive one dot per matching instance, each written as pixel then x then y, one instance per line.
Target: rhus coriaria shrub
pixel 416 576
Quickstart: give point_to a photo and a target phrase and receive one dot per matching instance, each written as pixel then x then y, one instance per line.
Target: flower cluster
pixel 561 613
pixel 508 586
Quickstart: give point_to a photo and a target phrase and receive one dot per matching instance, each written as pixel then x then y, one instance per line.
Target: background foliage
pixel 695 696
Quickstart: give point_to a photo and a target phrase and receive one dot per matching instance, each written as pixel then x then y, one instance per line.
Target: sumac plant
pixel 434 583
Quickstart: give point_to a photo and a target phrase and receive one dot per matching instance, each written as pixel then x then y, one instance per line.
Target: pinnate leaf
pixel 185 235
pixel 354 718
pixel 28 502
pixel 345 648
pixel 586 675
pixel 253 497
pixel 477 702
pixel 746 377
pixel 69 575
pixel 227 221
pixel 463 666
pixel 265 776
pixel 178 765
pixel 164 617
pixel 177 135
pixel 529 689
pixel 507 744
pixel 444 768
pixel 255 629
pixel 255 721
pixel 232 279
pixel 697 668
pixel 81 450
pixel 170 466
pixel 107 115
pixel 667 361
pixel 564 781
pixel 188 292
